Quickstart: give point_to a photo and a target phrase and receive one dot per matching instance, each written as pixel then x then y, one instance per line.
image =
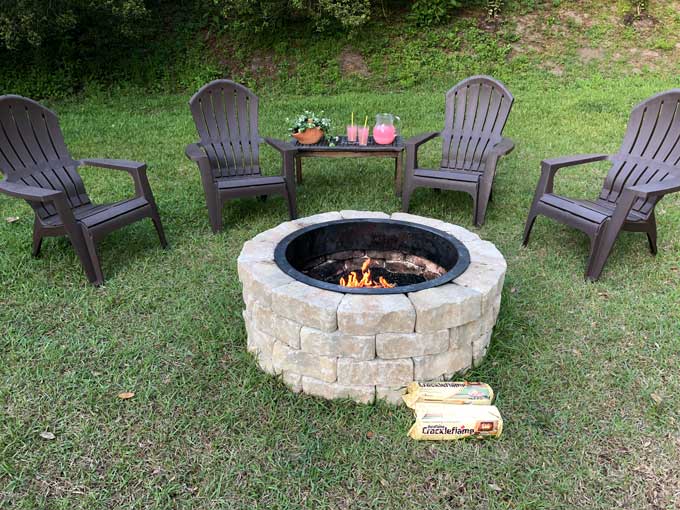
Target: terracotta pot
pixel 309 136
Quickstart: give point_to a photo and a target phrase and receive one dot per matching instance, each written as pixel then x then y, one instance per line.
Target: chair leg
pixel 531 219
pixel 155 217
pixel 214 214
pixel 480 206
pixel 475 209
pixel 37 238
pixel 94 258
pixel 651 236
pixel 77 239
pixel 600 248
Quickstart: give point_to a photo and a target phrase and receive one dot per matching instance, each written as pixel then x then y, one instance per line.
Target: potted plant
pixel 308 127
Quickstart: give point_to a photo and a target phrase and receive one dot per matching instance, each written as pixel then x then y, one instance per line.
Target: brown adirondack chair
pixel 472 142
pixel 38 168
pixel 644 170
pixel 228 154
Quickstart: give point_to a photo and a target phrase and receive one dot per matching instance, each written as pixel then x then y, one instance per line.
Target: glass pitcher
pixel 385 131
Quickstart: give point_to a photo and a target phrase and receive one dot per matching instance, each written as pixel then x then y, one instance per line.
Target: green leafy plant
pixel 309 120
pixel 433 12
pixel 493 8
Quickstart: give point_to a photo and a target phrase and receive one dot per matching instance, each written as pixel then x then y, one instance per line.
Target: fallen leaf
pixel 126 395
pixel 495 487
pixel 12 219
pixel 513 290
pixel 656 398
pixel 603 295
pixel 369 435
pixel 47 435
pixel 576 352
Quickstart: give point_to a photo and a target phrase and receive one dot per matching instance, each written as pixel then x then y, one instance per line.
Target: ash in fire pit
pixel 372 256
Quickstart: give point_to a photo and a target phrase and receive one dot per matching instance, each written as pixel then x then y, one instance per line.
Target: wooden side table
pixel 345 149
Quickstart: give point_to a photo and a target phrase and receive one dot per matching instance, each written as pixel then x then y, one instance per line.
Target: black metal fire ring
pixel 436 236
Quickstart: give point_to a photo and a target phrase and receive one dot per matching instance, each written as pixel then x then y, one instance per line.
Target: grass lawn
pixel 586 374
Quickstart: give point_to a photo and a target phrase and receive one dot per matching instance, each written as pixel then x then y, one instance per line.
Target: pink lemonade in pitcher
pixel 384 131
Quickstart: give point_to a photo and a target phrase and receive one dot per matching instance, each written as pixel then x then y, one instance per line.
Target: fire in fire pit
pixel 352 280
pixel 372 256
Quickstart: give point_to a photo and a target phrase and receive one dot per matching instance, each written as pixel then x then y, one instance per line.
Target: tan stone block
pixel 460 233
pixel 308 305
pixel 368 315
pixel 352 215
pixel 259 279
pixel 320 367
pixel 445 307
pixel 292 380
pixel 274 235
pixel 422 220
pixel 256 251
pixel 361 394
pixel 390 395
pixel 318 218
pixel 381 372
pixel 484 252
pixel 427 368
pixel 261 346
pixel 281 328
pixel 319 342
pixel 480 346
pixel 485 279
pixel 406 345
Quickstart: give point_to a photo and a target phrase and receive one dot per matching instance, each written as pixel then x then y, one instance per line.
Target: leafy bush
pixel 264 15
pixel 37 22
pixel 433 12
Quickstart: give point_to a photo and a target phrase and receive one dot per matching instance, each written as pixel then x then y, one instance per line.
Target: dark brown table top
pixel 342 145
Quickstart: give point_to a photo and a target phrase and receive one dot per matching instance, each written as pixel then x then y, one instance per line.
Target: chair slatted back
pixel 226 118
pixel 33 151
pixel 477 109
pixel 650 151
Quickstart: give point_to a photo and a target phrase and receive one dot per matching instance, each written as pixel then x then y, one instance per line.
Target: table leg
pixel 298 169
pixel 398 175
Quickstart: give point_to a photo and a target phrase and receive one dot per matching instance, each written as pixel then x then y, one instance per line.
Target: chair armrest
pixel 136 170
pixel 416 141
pixel 279 145
pixel 554 164
pixel 504 147
pixel 656 188
pixel 30 193
pixel 114 164
pixel 195 153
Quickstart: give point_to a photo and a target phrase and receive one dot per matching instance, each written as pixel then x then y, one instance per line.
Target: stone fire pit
pixel 363 347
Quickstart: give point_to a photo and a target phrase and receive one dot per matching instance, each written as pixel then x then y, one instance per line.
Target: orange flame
pixel 366 281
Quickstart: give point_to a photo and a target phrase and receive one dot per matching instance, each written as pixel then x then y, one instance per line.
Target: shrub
pixel 433 12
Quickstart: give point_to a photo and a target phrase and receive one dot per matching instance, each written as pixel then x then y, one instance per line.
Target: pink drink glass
pixel 352 133
pixel 363 135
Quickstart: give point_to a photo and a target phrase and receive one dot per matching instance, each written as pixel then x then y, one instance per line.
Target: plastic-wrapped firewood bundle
pixel 450 392
pixel 453 410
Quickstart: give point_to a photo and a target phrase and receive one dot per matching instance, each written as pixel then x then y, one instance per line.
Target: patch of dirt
pixel 353 63
pixel 587 55
pixel 262 64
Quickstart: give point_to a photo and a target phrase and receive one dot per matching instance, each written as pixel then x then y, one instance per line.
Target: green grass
pixel 574 364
